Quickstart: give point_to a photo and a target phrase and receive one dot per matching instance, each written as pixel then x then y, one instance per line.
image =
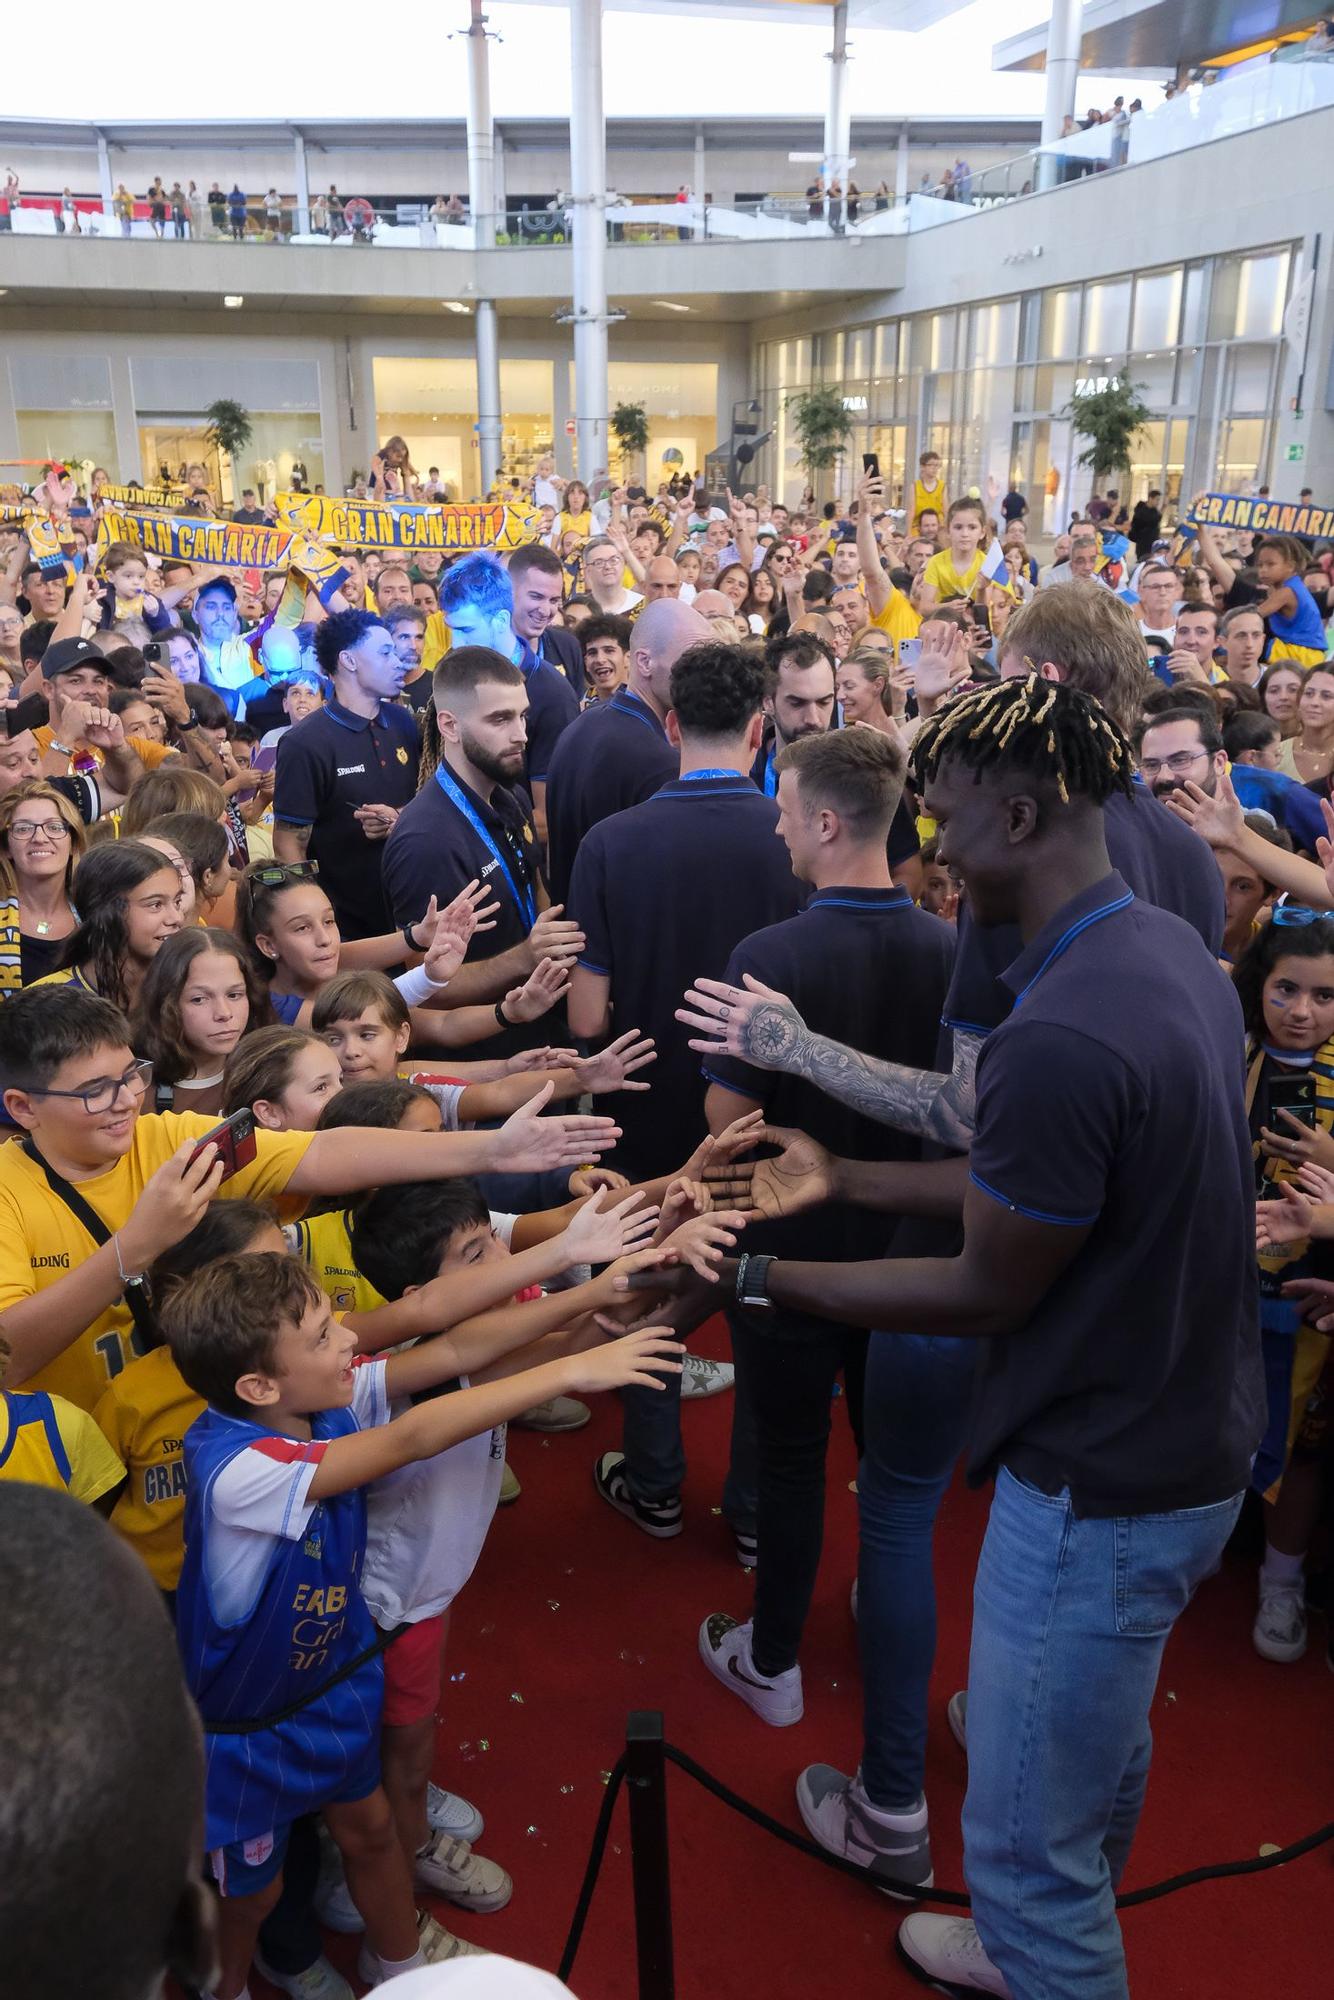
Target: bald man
pixel 661 579
pixel 616 754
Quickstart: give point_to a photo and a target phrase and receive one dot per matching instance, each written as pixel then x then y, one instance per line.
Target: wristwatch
pixel 192 722
pixel 752 1283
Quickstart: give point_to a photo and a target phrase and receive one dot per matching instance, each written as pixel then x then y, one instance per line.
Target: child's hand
pixel 589 1180
pixel 639 1360
pixel 538 994
pixel 610 1067
pixel 601 1230
pixel 151 605
pixel 524 1061
pixel 173 1201
pixel 1299 1143
pixel 705 1241
pixel 1287 1220
pixel 683 1201
pixel 721 1148
pixel 1315 1297
pixel 448 950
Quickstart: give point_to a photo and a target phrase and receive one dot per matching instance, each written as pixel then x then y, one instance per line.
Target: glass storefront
pixel 432 404
pixel 986 385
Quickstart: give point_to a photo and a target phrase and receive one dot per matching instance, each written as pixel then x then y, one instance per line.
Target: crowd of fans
pixel 476 978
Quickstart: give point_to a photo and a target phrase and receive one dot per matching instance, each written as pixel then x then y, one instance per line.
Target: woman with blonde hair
pixel 41 842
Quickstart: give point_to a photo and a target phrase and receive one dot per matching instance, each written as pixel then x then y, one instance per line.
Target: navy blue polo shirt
pixel 552 706
pixel 664 893
pixel 1162 860
pixel 1111 1099
pixel 329 764
pixel 902 841
pixel 613 756
pixel 869 969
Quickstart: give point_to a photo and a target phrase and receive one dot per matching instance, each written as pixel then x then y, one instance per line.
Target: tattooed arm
pixel 762 1027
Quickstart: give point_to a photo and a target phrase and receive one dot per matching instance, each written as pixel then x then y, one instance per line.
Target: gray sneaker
pixel 318 1982
pixel 701 1377
pixel 893 1848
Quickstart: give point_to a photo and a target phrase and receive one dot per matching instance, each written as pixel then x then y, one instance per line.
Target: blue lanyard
pixel 521 891
pixel 698 777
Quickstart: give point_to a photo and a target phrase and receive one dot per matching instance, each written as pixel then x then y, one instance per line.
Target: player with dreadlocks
pixel 1107 1271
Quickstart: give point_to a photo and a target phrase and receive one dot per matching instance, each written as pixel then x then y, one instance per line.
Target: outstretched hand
pixel 799 1176
pixel 752 1021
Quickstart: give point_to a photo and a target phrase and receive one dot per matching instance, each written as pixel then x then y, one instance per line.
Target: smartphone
pixel 871 464
pixel 265 759
pixel 1295 1094
pixel 153 651
pixel 1159 667
pixel 910 652
pixel 981 618
pixel 235 1141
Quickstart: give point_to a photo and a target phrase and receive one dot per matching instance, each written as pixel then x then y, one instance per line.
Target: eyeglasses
pixel 1178 763
pixel 36 829
pixel 102 1092
pixel 1294 915
pixel 273 876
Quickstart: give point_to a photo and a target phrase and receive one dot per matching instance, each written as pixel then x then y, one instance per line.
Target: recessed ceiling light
pixel 670 305
pixel 454 306
pixel 233 299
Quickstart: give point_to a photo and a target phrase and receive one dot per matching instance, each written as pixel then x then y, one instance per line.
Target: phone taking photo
pixel 235 1141
pixel 910 652
pixel 871 464
pixel 1295 1095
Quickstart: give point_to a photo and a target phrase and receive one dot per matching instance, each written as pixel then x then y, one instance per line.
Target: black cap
pixel 67 654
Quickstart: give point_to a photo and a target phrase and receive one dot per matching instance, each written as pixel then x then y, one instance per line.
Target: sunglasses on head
pixel 1296 914
pixel 278 872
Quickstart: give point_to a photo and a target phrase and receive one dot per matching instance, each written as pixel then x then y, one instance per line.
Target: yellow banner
pixel 140 496
pixel 408 525
pixel 227 544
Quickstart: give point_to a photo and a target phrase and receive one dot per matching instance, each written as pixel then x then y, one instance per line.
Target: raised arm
pixel 1211 551
pixel 875 577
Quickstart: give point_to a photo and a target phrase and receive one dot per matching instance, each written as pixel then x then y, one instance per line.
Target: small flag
pixel 994 568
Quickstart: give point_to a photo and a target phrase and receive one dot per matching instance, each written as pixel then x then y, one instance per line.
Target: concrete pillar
pixel 302 184
pixel 499 191
pixel 104 179
pixel 482 202
pixel 837 117
pixel 698 190
pixel 1065 33
pixel 901 167
pixel 588 198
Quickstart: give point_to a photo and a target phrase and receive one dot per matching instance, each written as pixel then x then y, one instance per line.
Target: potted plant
pixel 229 430
pixel 821 425
pixel 1111 419
pixel 629 423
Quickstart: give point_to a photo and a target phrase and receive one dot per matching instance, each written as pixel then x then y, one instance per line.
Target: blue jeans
pixel 1070 1618
pixel 916 1413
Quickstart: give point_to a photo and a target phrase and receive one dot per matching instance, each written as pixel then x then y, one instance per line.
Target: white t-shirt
pixel 426 1522
pixel 263 1495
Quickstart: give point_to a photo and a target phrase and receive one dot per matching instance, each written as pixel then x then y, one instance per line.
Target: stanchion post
pixel 646 1781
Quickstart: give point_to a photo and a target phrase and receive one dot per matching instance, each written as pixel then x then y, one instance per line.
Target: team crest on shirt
pixel 343 1298
pixel 528 833
pixel 402 754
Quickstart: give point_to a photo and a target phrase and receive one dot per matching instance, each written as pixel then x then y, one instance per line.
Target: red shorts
pixel 412 1673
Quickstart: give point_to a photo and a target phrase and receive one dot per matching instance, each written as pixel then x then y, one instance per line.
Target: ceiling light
pixel 670 305
pixel 233 299
pixel 453 306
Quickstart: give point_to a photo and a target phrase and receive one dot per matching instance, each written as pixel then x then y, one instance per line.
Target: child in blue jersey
pixel 278 1646
pixel 1297 631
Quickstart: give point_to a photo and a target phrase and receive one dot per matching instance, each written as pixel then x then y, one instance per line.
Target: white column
pixel 901 167
pixel 302 184
pixel 588 197
pixel 500 197
pixel 700 178
pixel 837 117
pixel 1065 33
pixel 482 202
pixel 104 179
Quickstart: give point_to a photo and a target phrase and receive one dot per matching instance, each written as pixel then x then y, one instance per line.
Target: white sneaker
pixel 957 1717
pixel 947 1953
pixel 558 1413
pixel 701 1377
pixel 893 1847
pixel 1279 1631
pixel 446 1812
pixel 434 1942
pixel 448 1867
pixel 335 1908
pixel 317 1982
pixel 724 1647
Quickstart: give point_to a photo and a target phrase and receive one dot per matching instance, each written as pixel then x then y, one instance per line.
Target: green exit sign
pixel 1295 453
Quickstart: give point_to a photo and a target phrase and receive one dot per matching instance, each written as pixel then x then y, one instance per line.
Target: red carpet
pixel 575 1617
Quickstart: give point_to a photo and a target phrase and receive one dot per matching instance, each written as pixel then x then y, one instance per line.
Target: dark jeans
pixel 786 1369
pixel 917 1396
pixel 289 1937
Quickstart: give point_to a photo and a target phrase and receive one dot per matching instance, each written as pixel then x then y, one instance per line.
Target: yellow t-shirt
pixel 150 755
pixel 928 496
pixel 45 1441
pixel 324 1242
pixel 575 524
pixel 41 1240
pixel 947 580
pixel 437 642
pixel 144 1415
pixel 898 618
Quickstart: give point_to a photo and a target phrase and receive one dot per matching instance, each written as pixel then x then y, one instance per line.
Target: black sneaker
pixel 659 1518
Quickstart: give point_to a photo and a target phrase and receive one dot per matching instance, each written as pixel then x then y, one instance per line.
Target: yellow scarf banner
pixel 1264 517
pixel 139 496
pixel 223 544
pixel 409 525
